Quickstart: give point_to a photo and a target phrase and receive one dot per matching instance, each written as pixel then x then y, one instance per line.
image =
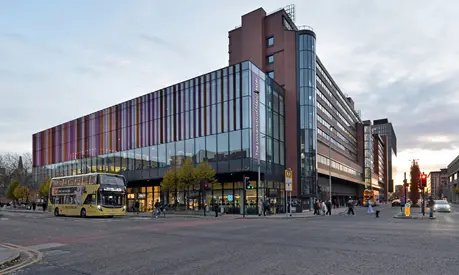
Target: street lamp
pixel 329 163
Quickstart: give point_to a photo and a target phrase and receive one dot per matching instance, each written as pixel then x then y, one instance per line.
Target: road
pixel 358 244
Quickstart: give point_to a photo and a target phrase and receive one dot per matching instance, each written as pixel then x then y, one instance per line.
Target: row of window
pixel 338 166
pixel 226 146
pixel 352 155
pixel 354 118
pixel 343 138
pixel 325 99
pixel 187 125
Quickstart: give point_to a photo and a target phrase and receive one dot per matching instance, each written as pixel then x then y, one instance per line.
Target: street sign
pixel 288 180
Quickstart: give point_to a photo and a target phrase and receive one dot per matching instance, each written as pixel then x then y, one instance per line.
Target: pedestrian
pixel 157 208
pixel 370 207
pixel 323 206
pixel 329 207
pixel 34 206
pixel 350 207
pixel 216 209
pixel 137 206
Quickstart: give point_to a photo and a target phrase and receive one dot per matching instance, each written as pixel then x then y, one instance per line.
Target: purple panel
pixel 129 128
pixel 98 133
pixel 59 143
pixel 255 115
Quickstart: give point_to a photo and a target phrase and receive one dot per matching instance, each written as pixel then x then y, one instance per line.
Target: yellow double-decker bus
pixel 96 194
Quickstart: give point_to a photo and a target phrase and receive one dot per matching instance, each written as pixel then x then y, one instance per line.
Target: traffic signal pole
pixel 243 195
pixel 423 203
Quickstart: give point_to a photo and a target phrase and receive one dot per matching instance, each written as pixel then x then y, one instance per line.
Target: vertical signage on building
pixel 255 115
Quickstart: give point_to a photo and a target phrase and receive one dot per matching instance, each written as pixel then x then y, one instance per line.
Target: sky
pixel 60 60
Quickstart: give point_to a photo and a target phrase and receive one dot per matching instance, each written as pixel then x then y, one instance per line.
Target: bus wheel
pixel 56 212
pixel 83 213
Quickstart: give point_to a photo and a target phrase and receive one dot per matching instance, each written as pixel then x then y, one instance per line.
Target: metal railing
pixel 305 27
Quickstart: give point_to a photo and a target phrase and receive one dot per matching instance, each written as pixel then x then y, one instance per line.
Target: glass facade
pixel 210 118
pixel 306 71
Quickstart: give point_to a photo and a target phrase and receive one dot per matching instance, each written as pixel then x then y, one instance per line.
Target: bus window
pixel 89 200
pixel 93 179
pixel 84 180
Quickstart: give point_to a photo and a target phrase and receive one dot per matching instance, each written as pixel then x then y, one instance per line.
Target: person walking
pixel 350 207
pixel 137 206
pixel 328 204
pixel 324 208
pixel 157 209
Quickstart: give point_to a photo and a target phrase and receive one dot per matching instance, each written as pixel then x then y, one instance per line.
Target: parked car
pixel 397 202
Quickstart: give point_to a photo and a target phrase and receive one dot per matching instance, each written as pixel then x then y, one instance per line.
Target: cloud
pixel 396 59
pixel 163 43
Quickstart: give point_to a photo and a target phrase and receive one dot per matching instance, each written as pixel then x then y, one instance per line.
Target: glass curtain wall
pixel 216 126
pixel 306 53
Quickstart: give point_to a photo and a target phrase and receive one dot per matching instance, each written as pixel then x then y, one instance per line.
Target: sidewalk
pixel 16 210
pixel 7 255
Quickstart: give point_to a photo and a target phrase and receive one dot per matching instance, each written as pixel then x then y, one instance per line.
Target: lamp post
pixel 329 164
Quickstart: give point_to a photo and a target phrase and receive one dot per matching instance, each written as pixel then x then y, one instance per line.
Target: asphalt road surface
pixel 346 245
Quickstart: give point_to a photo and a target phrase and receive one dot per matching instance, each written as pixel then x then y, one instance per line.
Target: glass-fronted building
pixel 229 118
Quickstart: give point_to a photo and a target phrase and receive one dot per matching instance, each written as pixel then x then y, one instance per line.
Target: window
pixel 270 59
pixel 270 41
pixel 271 74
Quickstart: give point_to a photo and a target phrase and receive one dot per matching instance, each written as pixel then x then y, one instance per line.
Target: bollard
pixel 377 213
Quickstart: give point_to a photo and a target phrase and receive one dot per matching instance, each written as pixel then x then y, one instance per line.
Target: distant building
pixel 383 127
pixel 399 192
pixel 453 174
pixel 433 184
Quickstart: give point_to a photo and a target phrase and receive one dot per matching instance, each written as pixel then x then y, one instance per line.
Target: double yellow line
pixel 33 256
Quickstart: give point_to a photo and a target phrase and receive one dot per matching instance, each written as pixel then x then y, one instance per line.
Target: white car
pixel 442 206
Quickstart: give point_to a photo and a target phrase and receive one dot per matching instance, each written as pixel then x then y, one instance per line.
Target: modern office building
pixel 319 116
pixel 304 122
pixel 375 161
pixel 444 190
pixel 383 127
pixel 214 117
pixel 453 175
pixel 433 181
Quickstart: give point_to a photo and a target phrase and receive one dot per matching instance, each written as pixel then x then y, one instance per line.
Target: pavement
pixel 337 244
pixel 8 255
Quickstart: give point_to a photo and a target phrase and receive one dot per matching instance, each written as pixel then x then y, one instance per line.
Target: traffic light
pixel 247 183
pixel 422 181
pixel 319 189
pixel 205 186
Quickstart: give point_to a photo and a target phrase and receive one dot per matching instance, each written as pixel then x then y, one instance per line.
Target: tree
pixel 187 175
pixel 10 194
pixel 22 193
pixel 415 172
pixel 205 172
pixel 14 166
pixel 43 190
pixel 170 182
